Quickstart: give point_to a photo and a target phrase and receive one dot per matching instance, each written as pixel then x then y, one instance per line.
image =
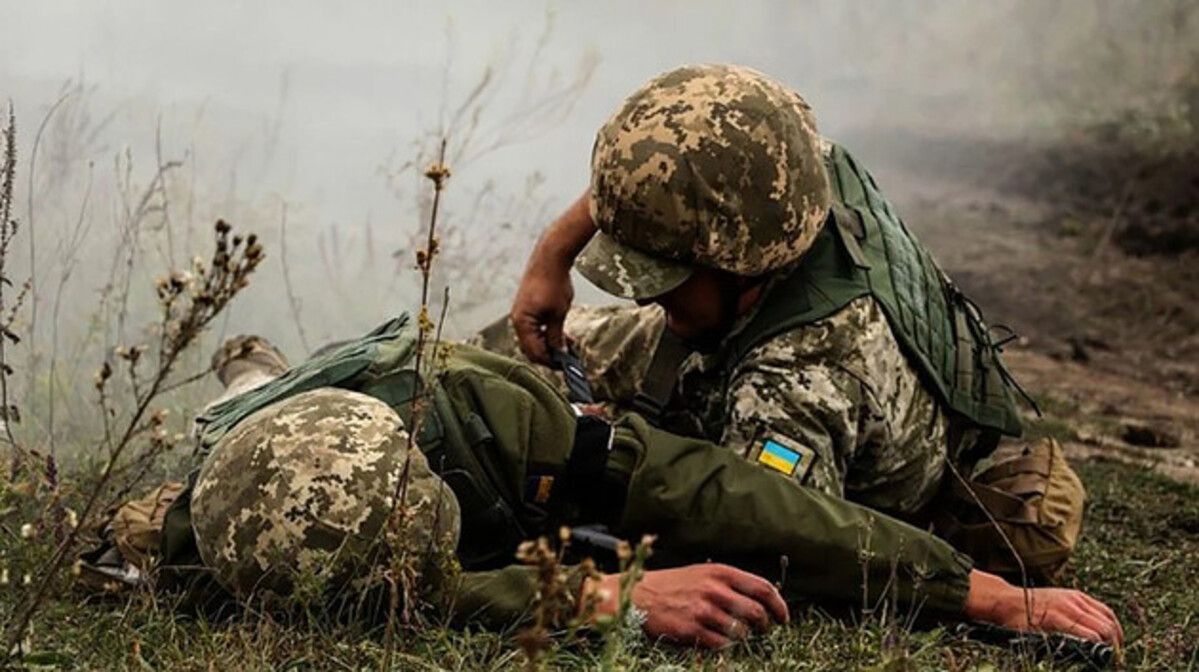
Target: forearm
pixel 566 237
pixel 708 503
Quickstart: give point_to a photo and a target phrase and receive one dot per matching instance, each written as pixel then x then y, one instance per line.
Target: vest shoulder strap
pixel 864 249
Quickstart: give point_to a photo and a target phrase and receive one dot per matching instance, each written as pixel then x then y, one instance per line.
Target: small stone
pixel 1150 436
pixel 1078 351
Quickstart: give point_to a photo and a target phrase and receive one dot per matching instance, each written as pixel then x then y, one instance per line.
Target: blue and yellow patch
pixel 787 457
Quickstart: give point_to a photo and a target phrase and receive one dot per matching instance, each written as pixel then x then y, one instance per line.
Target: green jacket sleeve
pixel 498 599
pixel 705 502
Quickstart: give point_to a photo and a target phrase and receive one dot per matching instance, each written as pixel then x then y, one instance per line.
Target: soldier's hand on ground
pixel 709 605
pixel 1058 610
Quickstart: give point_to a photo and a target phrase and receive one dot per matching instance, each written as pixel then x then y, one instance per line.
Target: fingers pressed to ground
pixel 710 639
pixel 1100 626
pixel 724 624
pixel 1107 612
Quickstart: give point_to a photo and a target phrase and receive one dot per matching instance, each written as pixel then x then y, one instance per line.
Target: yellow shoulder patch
pixel 786 456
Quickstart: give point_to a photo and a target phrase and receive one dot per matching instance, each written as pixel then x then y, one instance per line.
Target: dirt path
pixel 1107 416
pixel 1109 343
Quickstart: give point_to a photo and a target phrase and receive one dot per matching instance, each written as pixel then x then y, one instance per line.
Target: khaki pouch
pixel 136 525
pixel 129 541
pixel 1034 499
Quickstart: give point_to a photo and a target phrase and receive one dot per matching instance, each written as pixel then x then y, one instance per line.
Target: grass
pixel 1140 553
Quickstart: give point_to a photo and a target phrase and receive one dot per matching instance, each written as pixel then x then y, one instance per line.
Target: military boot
pixel 244 362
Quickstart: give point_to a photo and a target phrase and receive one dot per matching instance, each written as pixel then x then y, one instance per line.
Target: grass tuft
pixel 1138 553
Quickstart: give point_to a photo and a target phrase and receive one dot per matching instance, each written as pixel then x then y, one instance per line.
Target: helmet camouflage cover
pixel 306 485
pixel 705 165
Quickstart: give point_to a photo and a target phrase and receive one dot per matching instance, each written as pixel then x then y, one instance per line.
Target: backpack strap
pixel 658 383
pixel 577 387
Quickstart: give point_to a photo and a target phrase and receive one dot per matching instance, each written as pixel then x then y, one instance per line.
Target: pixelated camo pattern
pixel 306 485
pixel 840 386
pixel 713 165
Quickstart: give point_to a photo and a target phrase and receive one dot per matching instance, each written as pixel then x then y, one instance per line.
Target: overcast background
pixel 326 108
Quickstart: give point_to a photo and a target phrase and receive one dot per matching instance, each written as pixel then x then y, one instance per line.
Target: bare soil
pixel 1101 282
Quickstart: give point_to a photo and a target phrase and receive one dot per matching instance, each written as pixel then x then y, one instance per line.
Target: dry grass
pixel 1138 554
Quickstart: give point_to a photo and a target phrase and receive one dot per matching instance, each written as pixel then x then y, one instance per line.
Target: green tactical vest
pixel 865 249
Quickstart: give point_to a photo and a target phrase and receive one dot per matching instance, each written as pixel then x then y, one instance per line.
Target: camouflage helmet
pixel 705 165
pixel 306 485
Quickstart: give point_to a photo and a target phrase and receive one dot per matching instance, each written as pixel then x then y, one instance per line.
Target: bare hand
pixel 545 291
pixel 1059 610
pixel 708 605
pixel 540 308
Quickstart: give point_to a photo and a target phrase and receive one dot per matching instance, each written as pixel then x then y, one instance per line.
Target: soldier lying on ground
pixel 301 475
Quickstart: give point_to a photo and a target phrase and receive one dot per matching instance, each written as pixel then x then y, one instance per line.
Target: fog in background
pixel 152 119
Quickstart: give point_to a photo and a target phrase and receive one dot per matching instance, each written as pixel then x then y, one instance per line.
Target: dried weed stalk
pixel 401 573
pixel 293 302
pixel 625 624
pixel 485 119
pixel 9 413
pixel 554 604
pixel 188 302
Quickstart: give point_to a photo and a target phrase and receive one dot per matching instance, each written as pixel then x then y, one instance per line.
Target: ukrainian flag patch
pixel 539 489
pixel 787 457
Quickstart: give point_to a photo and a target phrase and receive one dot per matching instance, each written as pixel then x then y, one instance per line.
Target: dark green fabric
pixel 703 501
pixel 180 568
pixel 385 352
pixel 865 249
pixel 497 599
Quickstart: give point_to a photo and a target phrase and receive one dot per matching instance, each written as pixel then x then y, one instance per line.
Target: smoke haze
pixel 331 110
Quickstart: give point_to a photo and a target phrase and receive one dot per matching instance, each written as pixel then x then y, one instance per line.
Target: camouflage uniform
pixel 841 388
pixel 719 166
pixel 304 487
pixel 860 353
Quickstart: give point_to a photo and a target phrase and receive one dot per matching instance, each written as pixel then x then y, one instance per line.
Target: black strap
pixel 586 491
pixel 578 389
pixel 660 378
pixel 588 458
